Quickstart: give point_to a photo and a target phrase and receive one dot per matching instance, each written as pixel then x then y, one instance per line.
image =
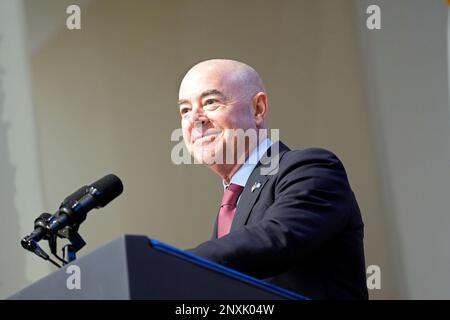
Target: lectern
pixel 136 267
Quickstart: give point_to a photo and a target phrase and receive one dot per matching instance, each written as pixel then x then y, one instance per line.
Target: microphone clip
pixel 44 228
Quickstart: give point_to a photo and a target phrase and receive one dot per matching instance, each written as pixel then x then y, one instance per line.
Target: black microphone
pixel 97 195
pixel 74 197
pixel 73 210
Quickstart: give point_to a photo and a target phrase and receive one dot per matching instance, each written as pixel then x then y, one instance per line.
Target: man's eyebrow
pixel 204 94
pixel 212 92
pixel 182 101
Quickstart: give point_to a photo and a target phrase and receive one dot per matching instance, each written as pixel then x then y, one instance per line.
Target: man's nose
pixel 198 117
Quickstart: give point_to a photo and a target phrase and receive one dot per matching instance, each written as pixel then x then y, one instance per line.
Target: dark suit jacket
pixel 301 229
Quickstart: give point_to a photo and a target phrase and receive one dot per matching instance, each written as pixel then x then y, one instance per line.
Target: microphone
pixel 97 195
pixel 73 210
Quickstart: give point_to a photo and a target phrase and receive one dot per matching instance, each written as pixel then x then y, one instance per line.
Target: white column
pixel 21 199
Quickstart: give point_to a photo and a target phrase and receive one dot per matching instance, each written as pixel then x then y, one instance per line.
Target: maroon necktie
pixel 228 209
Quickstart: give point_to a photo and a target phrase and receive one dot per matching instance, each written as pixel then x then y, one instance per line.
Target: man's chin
pixel 206 156
pixel 207 161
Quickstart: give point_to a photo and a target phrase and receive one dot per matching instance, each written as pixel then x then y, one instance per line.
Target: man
pixel 297 225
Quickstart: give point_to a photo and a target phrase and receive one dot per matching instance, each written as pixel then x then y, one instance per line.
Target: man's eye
pixel 184 110
pixel 210 101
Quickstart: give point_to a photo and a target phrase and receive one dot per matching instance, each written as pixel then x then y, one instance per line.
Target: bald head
pixel 234 74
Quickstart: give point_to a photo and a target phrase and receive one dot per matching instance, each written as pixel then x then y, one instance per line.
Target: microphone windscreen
pixel 109 187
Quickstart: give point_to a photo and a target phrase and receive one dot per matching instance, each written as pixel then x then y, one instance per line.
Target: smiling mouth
pixel 208 137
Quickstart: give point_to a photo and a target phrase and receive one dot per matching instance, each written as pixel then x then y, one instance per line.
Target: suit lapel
pixel 248 199
pixel 255 184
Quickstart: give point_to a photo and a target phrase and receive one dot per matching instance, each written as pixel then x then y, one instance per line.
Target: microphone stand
pixel 76 242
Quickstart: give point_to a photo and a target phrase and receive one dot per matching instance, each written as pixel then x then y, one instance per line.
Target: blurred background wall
pixel 406 73
pixel 104 100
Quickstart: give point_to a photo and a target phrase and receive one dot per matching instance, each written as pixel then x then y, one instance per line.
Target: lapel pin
pixel 256 186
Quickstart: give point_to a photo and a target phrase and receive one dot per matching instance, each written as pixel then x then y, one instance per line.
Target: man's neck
pixel 227 172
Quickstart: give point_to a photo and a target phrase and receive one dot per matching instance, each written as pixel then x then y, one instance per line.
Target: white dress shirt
pixel 244 172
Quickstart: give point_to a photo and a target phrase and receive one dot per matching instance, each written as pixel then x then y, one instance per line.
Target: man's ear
pixel 260 108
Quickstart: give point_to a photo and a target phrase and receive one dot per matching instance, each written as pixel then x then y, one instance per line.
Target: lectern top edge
pixel 160 246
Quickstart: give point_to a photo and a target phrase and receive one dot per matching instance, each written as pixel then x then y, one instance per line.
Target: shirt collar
pixel 241 176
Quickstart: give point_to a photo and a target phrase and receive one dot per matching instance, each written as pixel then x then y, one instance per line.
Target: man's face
pixel 212 105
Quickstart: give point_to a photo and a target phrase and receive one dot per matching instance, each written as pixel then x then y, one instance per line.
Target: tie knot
pixel 231 195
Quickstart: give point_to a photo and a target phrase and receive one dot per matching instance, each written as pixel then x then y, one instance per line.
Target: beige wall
pixel 106 102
